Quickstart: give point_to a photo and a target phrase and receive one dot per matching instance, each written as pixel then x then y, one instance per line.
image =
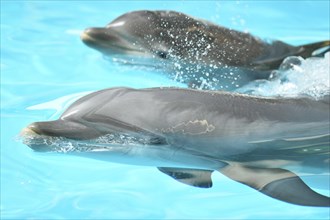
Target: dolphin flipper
pixel 192 177
pixel 277 183
pixel 294 190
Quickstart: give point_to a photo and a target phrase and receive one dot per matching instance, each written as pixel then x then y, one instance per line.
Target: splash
pixel 295 77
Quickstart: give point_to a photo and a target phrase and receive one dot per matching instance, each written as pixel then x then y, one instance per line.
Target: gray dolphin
pixel 265 143
pixel 193 51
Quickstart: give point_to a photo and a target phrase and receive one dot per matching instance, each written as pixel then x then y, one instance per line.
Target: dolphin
pixel 265 143
pixel 193 51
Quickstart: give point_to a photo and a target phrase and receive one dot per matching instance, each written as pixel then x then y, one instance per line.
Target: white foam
pixel 295 77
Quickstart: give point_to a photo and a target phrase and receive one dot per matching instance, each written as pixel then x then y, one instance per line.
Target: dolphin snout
pixel 97 35
pixel 87 36
pixel 62 128
pixel 39 135
pixel 46 128
pixel 33 128
pixel 32 137
pixel 28 131
pixel 90 32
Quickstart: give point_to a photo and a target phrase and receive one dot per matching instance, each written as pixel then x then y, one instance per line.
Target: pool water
pixel 45 67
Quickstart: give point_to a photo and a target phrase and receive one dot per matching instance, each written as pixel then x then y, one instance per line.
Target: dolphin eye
pixel 162 54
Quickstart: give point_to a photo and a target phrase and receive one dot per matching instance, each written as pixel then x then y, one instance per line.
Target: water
pixel 295 77
pixel 45 67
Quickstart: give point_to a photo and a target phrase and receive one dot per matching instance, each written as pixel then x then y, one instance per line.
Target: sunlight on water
pixel 295 77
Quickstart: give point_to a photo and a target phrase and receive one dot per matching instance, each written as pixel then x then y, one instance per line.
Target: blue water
pixel 44 67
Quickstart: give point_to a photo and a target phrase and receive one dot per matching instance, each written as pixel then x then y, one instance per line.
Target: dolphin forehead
pixel 159 19
pixel 156 31
pixel 171 101
pixel 155 27
pixel 130 110
pixel 87 104
pixel 121 110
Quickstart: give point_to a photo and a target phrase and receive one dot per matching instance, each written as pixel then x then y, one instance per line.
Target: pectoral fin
pixel 277 183
pixel 192 177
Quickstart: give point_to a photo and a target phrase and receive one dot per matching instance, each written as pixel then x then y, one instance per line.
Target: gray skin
pixel 193 51
pixel 265 143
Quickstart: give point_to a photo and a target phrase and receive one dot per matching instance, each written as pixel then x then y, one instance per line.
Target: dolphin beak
pixel 30 131
pixel 109 41
pixel 95 34
pixel 32 138
pixel 85 37
pixel 94 37
pixel 33 129
pixel 102 38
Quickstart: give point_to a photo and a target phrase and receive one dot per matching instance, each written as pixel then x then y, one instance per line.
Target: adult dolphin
pixel 265 143
pixel 194 51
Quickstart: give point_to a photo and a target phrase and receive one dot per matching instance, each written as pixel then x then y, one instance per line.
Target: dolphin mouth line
pixel 109 142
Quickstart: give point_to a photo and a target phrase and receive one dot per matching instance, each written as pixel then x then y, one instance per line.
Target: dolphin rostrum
pixel 265 143
pixel 194 51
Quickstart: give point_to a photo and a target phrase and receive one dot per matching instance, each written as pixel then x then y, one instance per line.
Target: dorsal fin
pixel 277 183
pixel 192 177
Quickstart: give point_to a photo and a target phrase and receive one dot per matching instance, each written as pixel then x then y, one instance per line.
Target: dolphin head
pixel 46 136
pixel 91 123
pixel 192 51
pixel 68 136
pixel 155 34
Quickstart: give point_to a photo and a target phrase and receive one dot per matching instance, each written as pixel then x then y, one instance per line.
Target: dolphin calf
pixel 193 51
pixel 264 143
